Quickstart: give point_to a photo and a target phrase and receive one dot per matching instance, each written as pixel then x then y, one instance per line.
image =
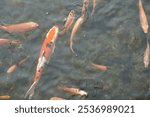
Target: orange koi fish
pixel 20 27
pixel 12 68
pixel 7 41
pixel 46 51
pixel 75 91
pixel 69 22
pixel 143 18
pixel 101 67
pixel 147 56
pixel 4 97
pixel 85 7
pixel 56 98
pixel 76 27
pixel 94 6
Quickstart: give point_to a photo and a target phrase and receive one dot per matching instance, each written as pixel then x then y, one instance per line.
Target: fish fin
pixel 30 92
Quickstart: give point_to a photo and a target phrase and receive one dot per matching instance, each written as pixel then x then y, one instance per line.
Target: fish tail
pixel 62 32
pixel 71 44
pixel 1 27
pixel 30 92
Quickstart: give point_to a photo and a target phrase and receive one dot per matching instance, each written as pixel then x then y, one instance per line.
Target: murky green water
pixel 113 38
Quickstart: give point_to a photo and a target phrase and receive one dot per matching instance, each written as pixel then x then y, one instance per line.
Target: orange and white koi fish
pixel 143 18
pixel 94 6
pixel 85 7
pixel 101 67
pixel 4 97
pixel 147 56
pixel 20 27
pixel 56 98
pixel 69 22
pixel 75 91
pixel 46 51
pixel 7 41
pixel 12 68
pixel 76 27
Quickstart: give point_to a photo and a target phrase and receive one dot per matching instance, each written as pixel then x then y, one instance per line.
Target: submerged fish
pixel 101 67
pixel 7 41
pixel 69 22
pixel 12 68
pixel 75 91
pixel 20 27
pixel 143 18
pixel 56 98
pixel 147 56
pixel 76 27
pixel 46 51
pixel 3 97
pixel 94 6
pixel 85 7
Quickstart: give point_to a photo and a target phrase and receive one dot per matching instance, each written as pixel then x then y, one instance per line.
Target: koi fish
pixel 69 22
pixel 94 6
pixel 20 27
pixel 85 7
pixel 147 56
pixel 56 98
pixel 75 91
pixel 76 27
pixel 46 51
pixel 101 67
pixel 7 41
pixel 12 68
pixel 143 18
pixel 3 97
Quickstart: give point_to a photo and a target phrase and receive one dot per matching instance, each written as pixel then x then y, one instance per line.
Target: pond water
pixel 113 37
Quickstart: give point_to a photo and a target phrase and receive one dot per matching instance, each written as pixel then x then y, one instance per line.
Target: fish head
pixel 72 13
pixel 52 34
pixel 82 93
pixel 33 24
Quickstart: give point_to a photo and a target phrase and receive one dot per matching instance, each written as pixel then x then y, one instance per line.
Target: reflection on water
pixel 113 38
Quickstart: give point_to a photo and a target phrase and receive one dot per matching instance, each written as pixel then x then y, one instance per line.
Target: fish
pixel 76 27
pixel 101 67
pixel 11 42
pixel 46 52
pixel 3 97
pixel 146 56
pixel 94 6
pixel 56 98
pixel 143 18
pixel 19 27
pixel 75 91
pixel 69 21
pixel 12 68
pixel 85 7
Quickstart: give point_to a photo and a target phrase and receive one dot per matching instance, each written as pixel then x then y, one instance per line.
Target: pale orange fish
pixel 4 97
pixel 85 7
pixel 101 67
pixel 56 98
pixel 7 41
pixel 12 68
pixel 143 18
pixel 76 27
pixel 20 27
pixel 46 52
pixel 94 6
pixel 147 56
pixel 69 22
pixel 75 91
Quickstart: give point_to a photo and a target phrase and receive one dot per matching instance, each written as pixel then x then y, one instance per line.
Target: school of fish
pixel 48 45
